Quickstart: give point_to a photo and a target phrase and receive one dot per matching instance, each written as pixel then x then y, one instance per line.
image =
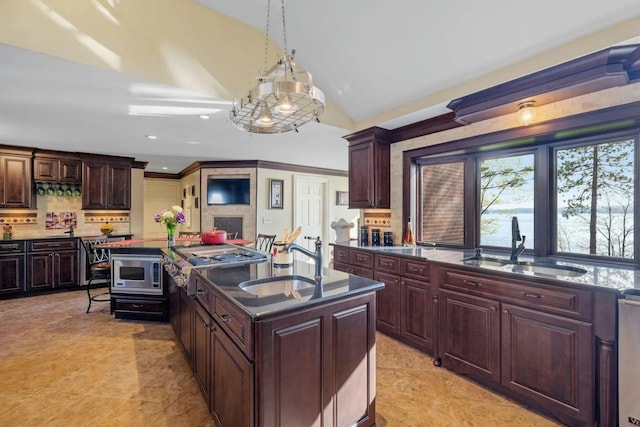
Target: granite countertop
pixel 616 278
pixel 66 236
pixel 230 280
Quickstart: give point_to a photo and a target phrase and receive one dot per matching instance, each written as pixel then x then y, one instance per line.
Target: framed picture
pixel 342 198
pixel 276 193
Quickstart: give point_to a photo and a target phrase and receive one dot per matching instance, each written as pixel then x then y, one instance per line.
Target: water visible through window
pixel 506 190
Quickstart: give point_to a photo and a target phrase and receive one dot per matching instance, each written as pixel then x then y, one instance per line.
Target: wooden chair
pixel 232 236
pixel 189 234
pixel 264 242
pixel 98 268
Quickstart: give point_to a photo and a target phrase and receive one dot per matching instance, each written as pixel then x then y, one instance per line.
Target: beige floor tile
pixel 62 367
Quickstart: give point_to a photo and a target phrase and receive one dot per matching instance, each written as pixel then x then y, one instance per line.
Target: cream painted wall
pixel 590 102
pixel 136 214
pixel 159 194
pixel 191 212
pixel 274 221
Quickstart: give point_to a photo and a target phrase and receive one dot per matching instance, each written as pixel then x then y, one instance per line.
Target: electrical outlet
pixel 266 220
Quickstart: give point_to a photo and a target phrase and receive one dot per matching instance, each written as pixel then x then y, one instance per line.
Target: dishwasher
pixel 628 358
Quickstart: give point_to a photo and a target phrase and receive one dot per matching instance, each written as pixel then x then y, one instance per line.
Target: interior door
pixel 310 196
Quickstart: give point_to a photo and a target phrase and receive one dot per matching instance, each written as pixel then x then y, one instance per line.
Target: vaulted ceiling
pixel 99 75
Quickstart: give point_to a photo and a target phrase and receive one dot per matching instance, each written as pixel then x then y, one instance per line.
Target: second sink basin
pixel 524 267
pixel 282 285
pixel 548 269
pixel 483 261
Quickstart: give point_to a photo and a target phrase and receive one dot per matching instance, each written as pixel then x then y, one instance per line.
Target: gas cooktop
pixel 221 255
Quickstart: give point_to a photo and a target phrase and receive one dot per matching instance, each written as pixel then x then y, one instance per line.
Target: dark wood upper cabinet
pixel 15 179
pixel 369 169
pixel 53 168
pixel 106 184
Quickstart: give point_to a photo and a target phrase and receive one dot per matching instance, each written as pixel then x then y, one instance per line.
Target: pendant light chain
pixel 266 37
pixel 284 29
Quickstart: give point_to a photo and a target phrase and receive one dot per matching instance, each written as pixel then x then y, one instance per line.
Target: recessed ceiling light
pixel 194 142
pixel 164 168
pixel 204 116
pixel 152 137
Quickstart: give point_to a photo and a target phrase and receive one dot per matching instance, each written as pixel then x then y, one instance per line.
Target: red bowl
pixel 214 237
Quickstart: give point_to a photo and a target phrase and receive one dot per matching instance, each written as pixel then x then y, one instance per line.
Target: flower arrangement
pixel 171 216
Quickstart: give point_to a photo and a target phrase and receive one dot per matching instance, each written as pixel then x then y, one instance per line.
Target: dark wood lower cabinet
pixel 388 304
pixel 315 366
pixel 470 335
pixel 416 320
pixel 231 397
pixel 551 345
pixel 12 274
pixel 53 270
pixel 201 357
pixel 186 323
pixel 549 359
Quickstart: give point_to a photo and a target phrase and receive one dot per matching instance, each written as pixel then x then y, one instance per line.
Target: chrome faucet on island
pixel 316 256
pixel 515 238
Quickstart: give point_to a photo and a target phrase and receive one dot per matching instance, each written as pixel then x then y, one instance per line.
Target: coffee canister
pixel 375 237
pixel 388 238
pixel 364 236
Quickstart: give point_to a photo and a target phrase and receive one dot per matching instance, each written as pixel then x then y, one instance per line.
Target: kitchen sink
pixel 483 261
pixel 524 267
pixel 548 269
pixel 282 285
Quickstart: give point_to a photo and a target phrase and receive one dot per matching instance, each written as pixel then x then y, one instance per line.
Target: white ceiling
pixel 384 63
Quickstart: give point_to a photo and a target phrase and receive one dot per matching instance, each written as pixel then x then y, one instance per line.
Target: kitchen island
pixel 274 346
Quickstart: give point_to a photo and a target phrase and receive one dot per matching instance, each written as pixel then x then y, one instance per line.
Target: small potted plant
pixel 7 232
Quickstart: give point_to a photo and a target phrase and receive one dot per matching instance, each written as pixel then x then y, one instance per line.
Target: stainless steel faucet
pixel 316 256
pixel 515 238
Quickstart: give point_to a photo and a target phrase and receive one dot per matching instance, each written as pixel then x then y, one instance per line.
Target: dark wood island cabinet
pixel 271 360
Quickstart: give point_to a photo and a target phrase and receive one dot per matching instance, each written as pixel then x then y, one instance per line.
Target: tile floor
pixel 62 367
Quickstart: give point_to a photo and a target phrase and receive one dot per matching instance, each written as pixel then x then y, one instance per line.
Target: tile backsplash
pixel 29 223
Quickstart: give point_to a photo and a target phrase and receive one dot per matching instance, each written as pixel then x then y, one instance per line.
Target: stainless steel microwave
pixel 136 274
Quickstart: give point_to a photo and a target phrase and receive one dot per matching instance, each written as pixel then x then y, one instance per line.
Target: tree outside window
pixel 595 199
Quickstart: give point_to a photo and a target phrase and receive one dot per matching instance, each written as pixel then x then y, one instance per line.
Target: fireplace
pixel 230 224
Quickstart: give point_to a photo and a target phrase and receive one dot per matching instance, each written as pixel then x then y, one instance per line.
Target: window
pixel 595 199
pixel 506 190
pixel 442 202
pixel 571 197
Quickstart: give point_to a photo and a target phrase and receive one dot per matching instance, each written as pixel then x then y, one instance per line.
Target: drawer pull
pixel 200 292
pixel 138 306
pixel 225 318
pixel 471 283
pixel 530 295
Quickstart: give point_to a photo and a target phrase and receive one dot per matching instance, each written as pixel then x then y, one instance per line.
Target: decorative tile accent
pixel 377 218
pixel 59 220
pixel 19 218
pixel 91 217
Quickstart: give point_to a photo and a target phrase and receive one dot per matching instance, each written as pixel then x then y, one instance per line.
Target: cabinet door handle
pixel 530 295
pixel 225 318
pixel 505 311
pixel 199 292
pixel 494 308
pixel 471 283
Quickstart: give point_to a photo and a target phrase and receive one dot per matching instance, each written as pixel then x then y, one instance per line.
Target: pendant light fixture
pixel 283 99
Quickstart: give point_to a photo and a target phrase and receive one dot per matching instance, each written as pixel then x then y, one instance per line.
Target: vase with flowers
pixel 171 218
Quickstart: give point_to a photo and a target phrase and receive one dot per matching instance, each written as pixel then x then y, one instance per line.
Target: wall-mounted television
pixel 228 191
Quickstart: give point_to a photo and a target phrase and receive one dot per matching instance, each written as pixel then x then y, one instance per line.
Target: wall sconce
pixel 526 112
